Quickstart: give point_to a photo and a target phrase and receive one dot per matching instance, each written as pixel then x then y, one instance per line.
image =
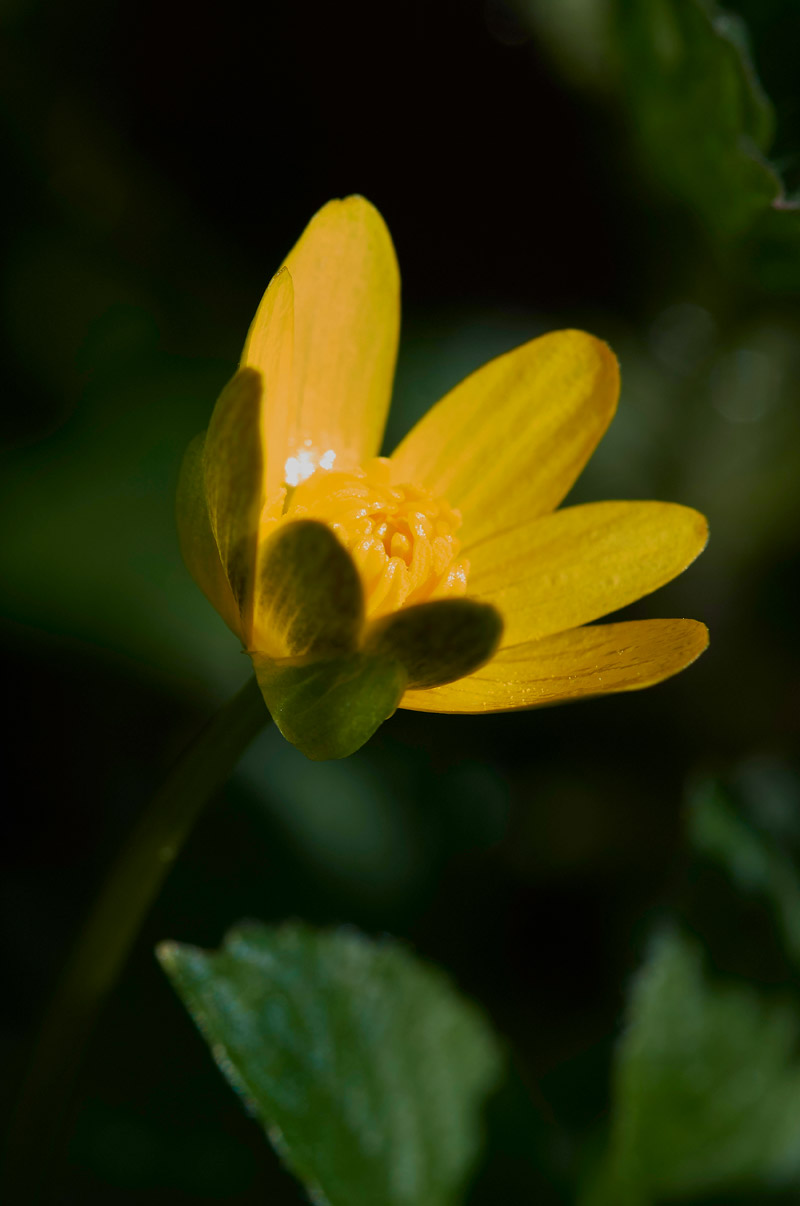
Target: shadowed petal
pixel 569 568
pixel 571 665
pixel 507 443
pixel 269 349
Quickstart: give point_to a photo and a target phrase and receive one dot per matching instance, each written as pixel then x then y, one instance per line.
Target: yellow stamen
pixel 401 537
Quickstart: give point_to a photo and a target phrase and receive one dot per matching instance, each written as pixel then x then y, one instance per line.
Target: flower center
pixel 401 538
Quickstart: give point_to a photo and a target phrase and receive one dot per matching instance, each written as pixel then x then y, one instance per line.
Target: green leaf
pixel 309 596
pixel 701 117
pixel 776 247
pixel 438 642
pixel 707 1088
pixel 365 1067
pixel 753 860
pixel 330 708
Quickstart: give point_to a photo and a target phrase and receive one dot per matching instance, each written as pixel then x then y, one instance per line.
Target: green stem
pixel 110 931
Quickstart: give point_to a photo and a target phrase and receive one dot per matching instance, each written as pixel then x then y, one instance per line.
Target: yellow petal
pixel 346 326
pixel 269 349
pixel 571 665
pixel 234 484
pixel 198 546
pixel 507 443
pixel 569 568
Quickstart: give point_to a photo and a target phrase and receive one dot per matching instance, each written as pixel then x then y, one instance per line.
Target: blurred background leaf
pixel 756 859
pixel 707 1088
pixel 698 110
pixel 363 1065
pixel 682 78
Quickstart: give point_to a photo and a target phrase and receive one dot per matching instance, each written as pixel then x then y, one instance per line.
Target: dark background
pixel 160 159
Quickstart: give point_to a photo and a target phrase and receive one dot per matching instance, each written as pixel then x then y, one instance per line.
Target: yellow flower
pixel 358 583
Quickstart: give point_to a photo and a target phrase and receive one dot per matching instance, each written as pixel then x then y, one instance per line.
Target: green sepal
pixel 234 479
pixel 309 596
pixel 437 642
pixel 197 541
pixel 329 708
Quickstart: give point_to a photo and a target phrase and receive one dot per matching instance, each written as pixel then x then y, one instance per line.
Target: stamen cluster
pixel 401 537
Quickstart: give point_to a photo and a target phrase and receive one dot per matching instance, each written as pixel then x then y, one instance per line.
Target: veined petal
pixel 198 546
pixel 269 349
pixel 507 443
pixel 573 566
pixel 346 326
pixel 234 484
pixel 589 661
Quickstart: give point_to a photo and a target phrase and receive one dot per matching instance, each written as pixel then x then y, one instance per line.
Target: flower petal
pixel 198 546
pixel 571 665
pixel 569 568
pixel 346 327
pixel 507 443
pixel 269 349
pixel 234 485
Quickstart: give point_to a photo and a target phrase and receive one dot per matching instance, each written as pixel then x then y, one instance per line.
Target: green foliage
pixel 365 1067
pixel 753 860
pixel 707 1088
pixel 705 126
pixel 698 110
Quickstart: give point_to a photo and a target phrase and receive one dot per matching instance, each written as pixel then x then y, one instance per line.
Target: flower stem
pixel 110 931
